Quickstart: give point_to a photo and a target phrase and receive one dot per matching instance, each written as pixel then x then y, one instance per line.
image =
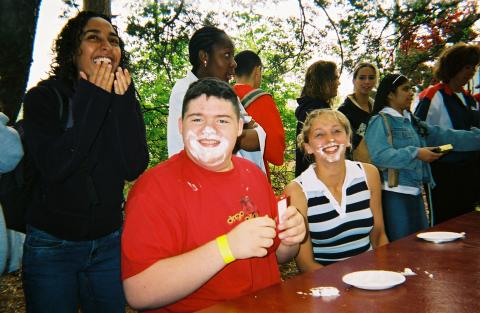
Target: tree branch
pixel 320 4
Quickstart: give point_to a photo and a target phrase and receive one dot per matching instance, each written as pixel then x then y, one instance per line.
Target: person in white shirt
pixel 340 199
pixel 211 54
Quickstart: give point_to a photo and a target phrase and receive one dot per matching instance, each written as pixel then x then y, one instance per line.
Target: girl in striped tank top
pixel 340 199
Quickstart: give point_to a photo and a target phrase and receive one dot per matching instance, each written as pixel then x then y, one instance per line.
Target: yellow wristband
pixel 224 248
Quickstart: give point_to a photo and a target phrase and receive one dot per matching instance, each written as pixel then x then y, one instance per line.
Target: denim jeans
pixel 63 276
pixel 403 214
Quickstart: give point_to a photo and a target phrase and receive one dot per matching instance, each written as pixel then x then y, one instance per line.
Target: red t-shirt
pixel 178 206
pixel 265 112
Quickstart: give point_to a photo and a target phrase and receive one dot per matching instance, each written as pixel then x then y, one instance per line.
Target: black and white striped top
pixel 338 231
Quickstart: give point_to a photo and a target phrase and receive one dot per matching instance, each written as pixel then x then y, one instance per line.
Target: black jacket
pixel 82 168
pixel 358 120
pixel 305 106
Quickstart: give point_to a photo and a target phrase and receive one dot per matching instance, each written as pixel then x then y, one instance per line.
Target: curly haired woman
pixel 85 133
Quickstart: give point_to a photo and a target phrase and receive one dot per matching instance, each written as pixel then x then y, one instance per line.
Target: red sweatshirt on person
pixel 265 112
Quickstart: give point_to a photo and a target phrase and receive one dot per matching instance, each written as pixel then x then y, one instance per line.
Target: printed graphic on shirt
pixel 248 210
pixel 361 129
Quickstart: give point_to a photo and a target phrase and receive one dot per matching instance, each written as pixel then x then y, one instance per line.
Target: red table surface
pixel 453 286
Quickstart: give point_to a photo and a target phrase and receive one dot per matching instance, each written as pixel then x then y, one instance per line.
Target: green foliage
pixel 279 44
pixel 407 37
pixel 159 34
pixel 402 38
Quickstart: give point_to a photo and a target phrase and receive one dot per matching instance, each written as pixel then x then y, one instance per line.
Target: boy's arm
pixel 249 140
pixel 172 279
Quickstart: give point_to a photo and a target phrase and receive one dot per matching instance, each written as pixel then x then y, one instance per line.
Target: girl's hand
pixel 102 76
pixel 122 81
pixel 427 155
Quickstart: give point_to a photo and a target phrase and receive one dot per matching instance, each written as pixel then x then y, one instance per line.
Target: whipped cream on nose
pixel 326 149
pixel 209 133
pixel 211 155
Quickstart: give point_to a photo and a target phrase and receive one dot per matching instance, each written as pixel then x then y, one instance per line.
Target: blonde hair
pixel 302 138
pixel 361 65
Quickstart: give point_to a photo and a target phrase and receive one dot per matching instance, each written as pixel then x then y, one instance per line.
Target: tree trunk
pixel 98 6
pixel 18 20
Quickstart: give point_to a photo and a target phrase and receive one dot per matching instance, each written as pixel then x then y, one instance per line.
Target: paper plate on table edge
pixel 440 236
pixel 374 279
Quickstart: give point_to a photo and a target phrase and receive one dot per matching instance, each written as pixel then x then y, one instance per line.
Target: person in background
pixel 10 241
pixel 409 154
pixel 12 150
pixel 260 106
pixel 211 54
pixel 321 86
pixel 340 199
pixel 448 105
pixel 72 250
pixel 201 227
pixel 358 106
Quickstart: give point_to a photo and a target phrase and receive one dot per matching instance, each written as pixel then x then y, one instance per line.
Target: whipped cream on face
pixel 324 292
pixel 331 157
pixel 211 155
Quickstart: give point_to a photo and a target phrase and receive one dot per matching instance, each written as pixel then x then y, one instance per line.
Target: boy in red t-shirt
pixel 200 227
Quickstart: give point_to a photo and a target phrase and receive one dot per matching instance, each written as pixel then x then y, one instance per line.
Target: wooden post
pixel 98 6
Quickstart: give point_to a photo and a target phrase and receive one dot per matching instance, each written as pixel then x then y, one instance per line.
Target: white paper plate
pixel 374 280
pixel 440 236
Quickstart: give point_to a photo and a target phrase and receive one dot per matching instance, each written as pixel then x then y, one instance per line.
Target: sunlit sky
pixel 49 25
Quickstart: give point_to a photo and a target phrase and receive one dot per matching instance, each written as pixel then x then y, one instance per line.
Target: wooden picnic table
pixel 447 280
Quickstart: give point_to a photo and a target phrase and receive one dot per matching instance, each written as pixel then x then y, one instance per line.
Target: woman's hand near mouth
pixel 122 81
pixel 102 76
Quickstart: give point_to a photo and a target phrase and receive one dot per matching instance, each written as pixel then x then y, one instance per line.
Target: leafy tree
pixel 281 46
pixel 404 36
pixel 425 38
pixel 396 37
pixel 159 33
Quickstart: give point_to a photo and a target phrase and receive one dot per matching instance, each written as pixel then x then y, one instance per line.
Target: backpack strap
pixel 392 173
pixel 252 96
pixel 63 110
pixel 388 128
pixel 64 113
